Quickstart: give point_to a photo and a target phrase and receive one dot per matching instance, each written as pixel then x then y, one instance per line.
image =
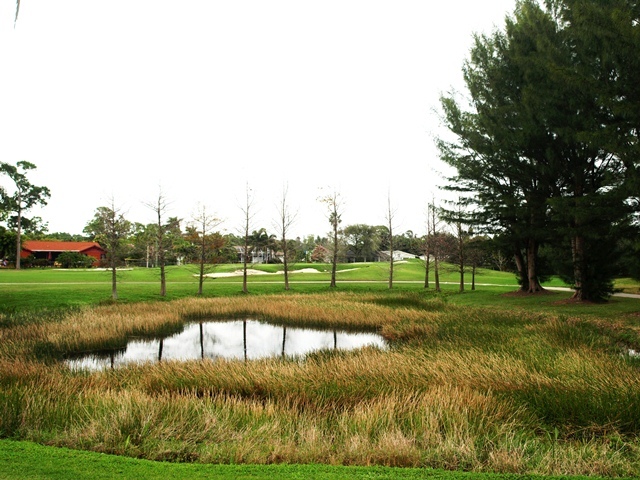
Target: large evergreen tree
pixel 501 150
pixel 544 148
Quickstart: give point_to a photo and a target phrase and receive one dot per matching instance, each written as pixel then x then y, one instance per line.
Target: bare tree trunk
pixel 522 271
pixel 202 260
pixel 161 256
pixel 461 254
pixel 19 231
pixel 245 289
pixel 532 275
pixel 390 215
pixel 427 250
pixel 427 261
pixel 286 220
pixel 114 282
pixel 577 250
pixel 473 276
pixel 436 249
pixel 247 221
pixel 334 256
pixel 159 207
pixel 334 207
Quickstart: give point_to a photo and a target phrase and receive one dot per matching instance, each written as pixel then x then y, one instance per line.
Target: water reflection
pixel 238 339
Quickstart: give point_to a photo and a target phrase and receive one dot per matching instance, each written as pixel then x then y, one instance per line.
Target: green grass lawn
pixel 53 289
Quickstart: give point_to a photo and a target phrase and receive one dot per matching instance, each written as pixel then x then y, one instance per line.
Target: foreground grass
pixel 27 461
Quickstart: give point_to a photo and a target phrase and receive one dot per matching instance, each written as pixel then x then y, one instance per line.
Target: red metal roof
pixel 57 246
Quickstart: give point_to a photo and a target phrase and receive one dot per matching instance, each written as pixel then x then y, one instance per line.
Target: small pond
pixel 236 339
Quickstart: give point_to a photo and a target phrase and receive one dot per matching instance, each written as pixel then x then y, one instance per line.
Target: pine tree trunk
pixel 114 282
pixel 19 232
pixel 520 266
pixel 426 270
pixel 285 262
pixel 334 259
pixel 532 274
pixel 473 276
pixel 577 250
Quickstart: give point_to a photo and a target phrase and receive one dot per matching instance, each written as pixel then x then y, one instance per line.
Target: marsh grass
pixel 460 388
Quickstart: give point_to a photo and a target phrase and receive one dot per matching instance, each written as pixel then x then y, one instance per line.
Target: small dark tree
pixel 110 229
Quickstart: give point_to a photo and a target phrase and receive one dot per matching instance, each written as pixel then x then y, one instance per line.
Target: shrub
pixel 74 260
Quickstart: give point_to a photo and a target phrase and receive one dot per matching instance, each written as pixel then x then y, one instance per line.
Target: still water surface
pixel 237 339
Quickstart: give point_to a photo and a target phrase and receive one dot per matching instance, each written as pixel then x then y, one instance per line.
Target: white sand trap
pixel 253 271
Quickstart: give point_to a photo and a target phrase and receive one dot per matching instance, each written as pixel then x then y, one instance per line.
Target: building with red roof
pixel 50 249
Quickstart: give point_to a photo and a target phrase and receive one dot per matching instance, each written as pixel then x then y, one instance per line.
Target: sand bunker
pixel 252 271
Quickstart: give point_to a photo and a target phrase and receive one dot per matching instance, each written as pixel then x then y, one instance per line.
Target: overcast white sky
pixel 200 97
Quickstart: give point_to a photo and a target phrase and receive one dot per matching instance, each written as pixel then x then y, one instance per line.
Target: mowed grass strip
pixel 27 461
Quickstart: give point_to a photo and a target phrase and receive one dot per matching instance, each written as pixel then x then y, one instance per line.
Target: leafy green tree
pixel 66 237
pixel 598 75
pixel 24 197
pixel 111 230
pixel 362 240
pixel 499 152
pixel 535 152
pixel 7 243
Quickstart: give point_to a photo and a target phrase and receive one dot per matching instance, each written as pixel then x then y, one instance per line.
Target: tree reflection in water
pixel 241 339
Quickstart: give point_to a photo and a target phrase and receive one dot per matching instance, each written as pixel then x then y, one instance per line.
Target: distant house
pixel 50 249
pixel 256 255
pixel 398 256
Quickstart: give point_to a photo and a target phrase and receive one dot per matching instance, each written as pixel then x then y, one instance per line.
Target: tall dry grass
pixel 459 389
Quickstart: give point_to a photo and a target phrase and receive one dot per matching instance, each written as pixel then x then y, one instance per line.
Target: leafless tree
pixel 205 223
pixel 160 207
pixel 435 223
pixel 247 211
pixel 286 218
pixel 428 246
pixel 390 215
pixel 461 237
pixel 334 204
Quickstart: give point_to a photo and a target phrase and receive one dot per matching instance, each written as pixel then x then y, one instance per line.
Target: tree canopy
pixel 542 151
